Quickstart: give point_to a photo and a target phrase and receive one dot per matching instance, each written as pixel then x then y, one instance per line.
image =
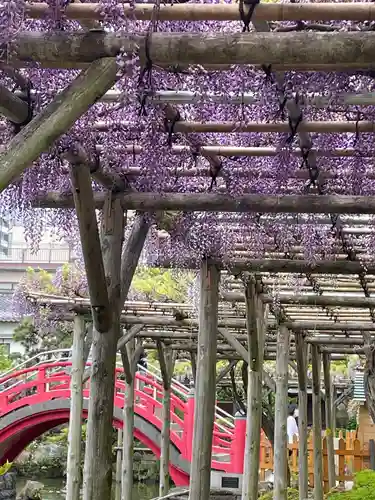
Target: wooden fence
pixel 350 457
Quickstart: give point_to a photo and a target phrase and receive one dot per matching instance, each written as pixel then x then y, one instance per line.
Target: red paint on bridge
pixel 51 381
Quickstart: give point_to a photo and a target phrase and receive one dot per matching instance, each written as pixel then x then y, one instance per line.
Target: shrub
pixel 292 495
pixel 5 468
pixel 363 488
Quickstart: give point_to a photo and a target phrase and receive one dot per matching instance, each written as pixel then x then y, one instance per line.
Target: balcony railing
pixel 24 255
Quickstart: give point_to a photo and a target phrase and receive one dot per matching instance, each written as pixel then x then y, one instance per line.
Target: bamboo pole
pixel 200 473
pixel 73 467
pixel 338 204
pixel 219 12
pixel 188 127
pixel 311 300
pixel 306 50
pixel 317 424
pixel 167 374
pixel 256 337
pixel 301 357
pixel 118 465
pixel 55 119
pixel 329 420
pixel 128 431
pixel 281 415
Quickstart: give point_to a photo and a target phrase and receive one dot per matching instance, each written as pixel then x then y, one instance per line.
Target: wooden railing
pixel 350 457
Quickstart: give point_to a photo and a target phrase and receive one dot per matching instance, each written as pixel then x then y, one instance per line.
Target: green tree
pixel 5 360
pixel 161 285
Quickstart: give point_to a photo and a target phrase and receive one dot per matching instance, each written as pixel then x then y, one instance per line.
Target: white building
pixel 15 258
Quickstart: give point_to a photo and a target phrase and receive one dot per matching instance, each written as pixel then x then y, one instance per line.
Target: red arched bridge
pixel 35 398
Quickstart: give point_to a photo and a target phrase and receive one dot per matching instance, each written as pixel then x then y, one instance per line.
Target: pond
pixel 54 489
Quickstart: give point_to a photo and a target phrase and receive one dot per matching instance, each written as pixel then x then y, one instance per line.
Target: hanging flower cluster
pixel 133 138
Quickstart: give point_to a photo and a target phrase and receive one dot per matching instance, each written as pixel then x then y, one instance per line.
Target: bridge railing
pixel 50 373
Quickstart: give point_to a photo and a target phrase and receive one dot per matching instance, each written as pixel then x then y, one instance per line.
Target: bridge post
pixel 200 476
pixel 237 451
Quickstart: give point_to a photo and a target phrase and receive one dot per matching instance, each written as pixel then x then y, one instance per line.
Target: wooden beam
pixel 301 357
pixel 224 372
pixel 242 351
pixel 281 415
pixel 92 253
pixel 129 335
pixel 329 421
pixel 239 323
pixel 132 251
pixel 12 107
pixel 281 266
pixel 73 467
pixel 118 465
pixel 218 12
pixel 310 300
pixel 309 50
pixel 256 338
pixel 204 415
pixel 55 119
pixel 227 127
pixel 317 424
pixel 224 203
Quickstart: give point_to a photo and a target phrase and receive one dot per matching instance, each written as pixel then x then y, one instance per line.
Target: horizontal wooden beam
pixel 217 11
pixel 212 202
pixel 308 50
pixel 246 151
pixel 281 266
pixel 308 300
pixel 187 127
pixel 232 322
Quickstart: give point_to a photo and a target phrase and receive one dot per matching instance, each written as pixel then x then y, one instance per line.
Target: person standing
pixel 291 427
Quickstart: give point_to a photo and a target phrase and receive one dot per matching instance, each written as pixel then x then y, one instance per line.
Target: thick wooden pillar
pixel 329 420
pixel 166 359
pixel 98 458
pixel 256 335
pixel 301 357
pixel 73 467
pixel 281 415
pixel 128 429
pixel 317 424
pixel 205 394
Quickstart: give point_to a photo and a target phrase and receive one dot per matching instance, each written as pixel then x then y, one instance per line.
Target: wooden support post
pixel 98 458
pixel 329 420
pixel 317 424
pixel 301 357
pixel 73 467
pixel 128 431
pixel 204 414
pixel 166 360
pixel 56 119
pixel 193 359
pixel 224 372
pixel 118 465
pixel 256 336
pixel 92 253
pixel 334 409
pixel 281 415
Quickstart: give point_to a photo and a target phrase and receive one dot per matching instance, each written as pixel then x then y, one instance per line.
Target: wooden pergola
pixel 257 314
